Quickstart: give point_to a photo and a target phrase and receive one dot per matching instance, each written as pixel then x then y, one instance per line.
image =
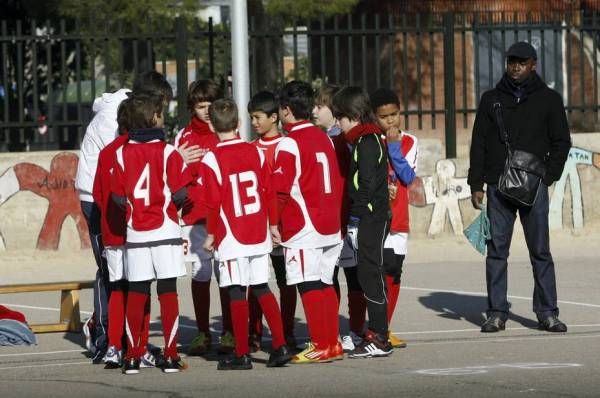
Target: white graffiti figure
pixel 576 156
pixel 9 185
pixel 444 190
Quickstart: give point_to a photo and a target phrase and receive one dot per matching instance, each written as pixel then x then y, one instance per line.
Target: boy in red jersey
pixel 357 305
pixel 309 187
pixel 241 205
pixel 199 136
pixel 402 148
pixel 263 109
pixel 149 180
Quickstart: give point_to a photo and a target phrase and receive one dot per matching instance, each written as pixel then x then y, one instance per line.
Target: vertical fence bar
pixel 63 79
pixel 322 49
pixel 449 99
pixel 377 52
pixel 418 77
pixel 363 41
pixel 582 65
pixel 107 60
pixel 92 56
pixel 122 42
pixel 52 135
pixel 463 37
pixel 392 52
pixel 295 50
pixel 254 37
pixel 476 28
pixel 34 76
pixel 20 82
pixel 432 62
pixel 350 52
pixel 569 87
pixel 211 48
pixel 181 59
pixel 595 58
pixel 78 78
pixel 336 48
pixel 5 82
pixel 309 68
pixel 405 70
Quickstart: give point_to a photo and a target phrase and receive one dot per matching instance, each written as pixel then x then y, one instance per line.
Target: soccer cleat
pixel 88 330
pixel 148 360
pixel 131 366
pixel 336 352
pixel 312 354
pixel 235 363
pixel 279 357
pixel 113 358
pixel 372 346
pixel 227 343
pixel 254 342
pixel 173 365
pixel 200 345
pixel 395 341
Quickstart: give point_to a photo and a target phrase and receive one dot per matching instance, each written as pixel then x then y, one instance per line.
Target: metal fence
pixel 439 64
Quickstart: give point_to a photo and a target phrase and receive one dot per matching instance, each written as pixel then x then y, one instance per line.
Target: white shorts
pixel 304 265
pixel 244 271
pixel 194 253
pixel 158 262
pixel 348 256
pixel 116 262
pixel 397 241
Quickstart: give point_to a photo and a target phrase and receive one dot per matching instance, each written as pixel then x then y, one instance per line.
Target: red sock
pixel 201 299
pixel 255 323
pixel 288 298
pixel 331 307
pixel 312 301
pixel 169 316
pixel 239 315
pixel 116 318
pixel 357 310
pixel 393 291
pixel 136 302
pixel 225 310
pixel 269 306
pixel 145 327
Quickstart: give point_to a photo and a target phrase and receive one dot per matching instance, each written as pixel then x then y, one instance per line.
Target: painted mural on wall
pixel 577 156
pixel 57 186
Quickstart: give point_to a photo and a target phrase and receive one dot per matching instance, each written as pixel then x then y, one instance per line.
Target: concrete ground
pixel 441 307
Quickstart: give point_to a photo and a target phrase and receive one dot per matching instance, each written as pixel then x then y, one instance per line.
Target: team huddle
pixel 323 187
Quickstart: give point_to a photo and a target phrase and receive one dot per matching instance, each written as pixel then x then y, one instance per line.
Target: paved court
pixel 441 306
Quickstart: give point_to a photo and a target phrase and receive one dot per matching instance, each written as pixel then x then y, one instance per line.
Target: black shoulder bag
pixel 523 171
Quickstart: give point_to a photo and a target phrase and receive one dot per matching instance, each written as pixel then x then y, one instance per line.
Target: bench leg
pixel 69 310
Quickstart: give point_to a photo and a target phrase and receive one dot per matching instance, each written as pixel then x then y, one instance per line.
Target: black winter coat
pixel 536 123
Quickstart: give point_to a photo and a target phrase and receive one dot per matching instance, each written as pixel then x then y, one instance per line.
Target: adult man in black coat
pixel 535 118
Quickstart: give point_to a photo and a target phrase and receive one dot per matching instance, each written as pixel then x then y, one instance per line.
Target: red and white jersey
pixel 148 173
pixel 268 146
pixel 309 188
pixel 196 133
pixel 400 204
pixel 235 188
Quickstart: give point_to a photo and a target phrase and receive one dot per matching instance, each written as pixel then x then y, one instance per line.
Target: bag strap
pixel 497 106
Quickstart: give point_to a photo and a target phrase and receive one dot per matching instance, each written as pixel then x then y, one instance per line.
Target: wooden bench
pixel 69 317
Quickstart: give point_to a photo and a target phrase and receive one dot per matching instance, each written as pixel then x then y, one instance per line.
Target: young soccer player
pixel 357 304
pixel 263 109
pixel 199 136
pixel 369 210
pixel 309 186
pixel 241 204
pixel 402 148
pixel 149 180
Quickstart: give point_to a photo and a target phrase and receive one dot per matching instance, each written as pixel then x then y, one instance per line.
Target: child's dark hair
pixel 325 93
pixel 223 114
pixel 353 103
pixel 202 91
pixel 137 111
pixel 153 82
pixel 384 96
pixel 299 97
pixel 264 101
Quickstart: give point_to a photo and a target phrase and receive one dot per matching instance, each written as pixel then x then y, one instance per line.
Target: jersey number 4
pixel 251 192
pixel 142 186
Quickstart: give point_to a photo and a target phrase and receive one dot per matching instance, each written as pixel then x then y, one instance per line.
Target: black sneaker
pixel 173 365
pixel 373 345
pixel 235 363
pixel 279 357
pixel 493 324
pixel 552 324
pixel 131 366
pixel 98 357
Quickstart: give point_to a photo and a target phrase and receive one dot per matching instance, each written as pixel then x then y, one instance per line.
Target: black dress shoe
pixel 552 324
pixel 235 363
pixel 493 324
pixel 279 357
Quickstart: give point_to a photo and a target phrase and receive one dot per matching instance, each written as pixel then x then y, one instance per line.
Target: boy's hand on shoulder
pixel 190 154
pixel 275 235
pixel 393 134
pixel 209 243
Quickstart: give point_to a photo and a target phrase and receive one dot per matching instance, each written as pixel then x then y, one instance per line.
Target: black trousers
pixel 502 215
pixel 371 236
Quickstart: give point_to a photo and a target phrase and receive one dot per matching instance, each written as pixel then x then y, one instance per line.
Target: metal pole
pixel 449 91
pixel 240 66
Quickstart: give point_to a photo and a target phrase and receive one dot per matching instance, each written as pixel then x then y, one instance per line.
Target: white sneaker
pixel 113 358
pixel 347 343
pixel 148 360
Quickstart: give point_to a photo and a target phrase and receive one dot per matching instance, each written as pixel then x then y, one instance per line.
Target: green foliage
pixel 306 9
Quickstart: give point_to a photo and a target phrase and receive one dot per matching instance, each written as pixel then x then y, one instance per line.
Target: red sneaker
pixel 336 352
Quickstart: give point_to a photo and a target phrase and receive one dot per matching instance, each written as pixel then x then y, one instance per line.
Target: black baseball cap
pixel 522 50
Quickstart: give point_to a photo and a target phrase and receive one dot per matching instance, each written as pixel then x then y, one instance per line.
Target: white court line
pixel 31 307
pixel 47 365
pixel 501 340
pixel 485 295
pixel 23 354
pixel 479 329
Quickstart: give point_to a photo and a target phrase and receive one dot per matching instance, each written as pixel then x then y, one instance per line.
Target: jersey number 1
pixel 322 158
pixel 251 192
pixel 142 186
